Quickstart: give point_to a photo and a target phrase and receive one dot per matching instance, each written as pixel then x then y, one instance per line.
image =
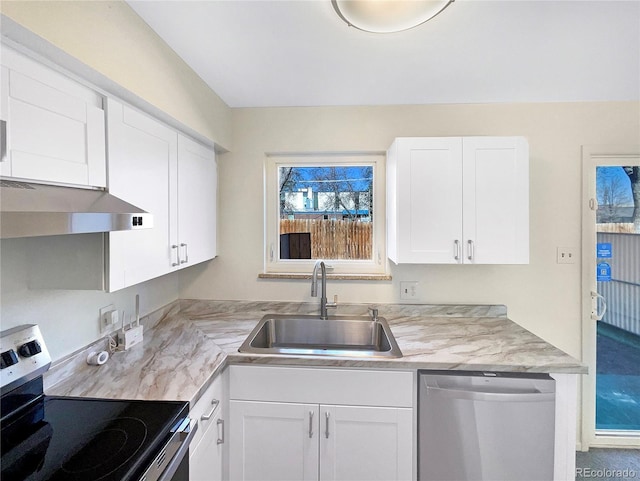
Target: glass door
pixel 611 277
pixel 618 282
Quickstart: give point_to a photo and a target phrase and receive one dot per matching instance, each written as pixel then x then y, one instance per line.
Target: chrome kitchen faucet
pixel 323 294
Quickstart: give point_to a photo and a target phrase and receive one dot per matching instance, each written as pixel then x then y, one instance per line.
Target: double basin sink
pixel 351 336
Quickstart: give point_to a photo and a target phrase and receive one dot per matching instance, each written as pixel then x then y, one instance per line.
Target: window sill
pixel 337 277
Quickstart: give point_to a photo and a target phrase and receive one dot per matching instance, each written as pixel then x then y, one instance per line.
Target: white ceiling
pixel 299 53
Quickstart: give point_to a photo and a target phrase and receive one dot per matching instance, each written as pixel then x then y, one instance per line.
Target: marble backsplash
pixel 198 309
pixel 68 365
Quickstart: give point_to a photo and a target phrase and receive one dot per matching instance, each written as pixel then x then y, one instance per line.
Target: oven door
pixel 172 462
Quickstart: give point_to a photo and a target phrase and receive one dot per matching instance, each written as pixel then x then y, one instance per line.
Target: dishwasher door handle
pixel 492 396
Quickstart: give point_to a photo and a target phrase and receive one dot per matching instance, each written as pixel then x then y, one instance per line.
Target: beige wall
pixel 109 37
pixel 69 319
pixel 542 296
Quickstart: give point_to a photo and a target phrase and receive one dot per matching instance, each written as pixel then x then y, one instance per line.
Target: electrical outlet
pixel 566 255
pixel 108 317
pixel 408 290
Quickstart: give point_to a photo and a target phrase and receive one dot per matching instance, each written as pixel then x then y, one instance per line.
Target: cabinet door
pixel 142 171
pixel 365 443
pixel 197 202
pixel 428 200
pixel 496 200
pixel 55 126
pixel 205 459
pixel 273 441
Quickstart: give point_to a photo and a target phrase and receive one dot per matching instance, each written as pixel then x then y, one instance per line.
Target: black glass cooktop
pixel 82 439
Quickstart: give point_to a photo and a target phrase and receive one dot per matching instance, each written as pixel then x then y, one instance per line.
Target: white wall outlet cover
pixel 108 316
pixel 408 290
pixel 566 255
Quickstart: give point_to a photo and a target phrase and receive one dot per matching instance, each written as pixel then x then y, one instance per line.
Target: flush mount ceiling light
pixel 387 16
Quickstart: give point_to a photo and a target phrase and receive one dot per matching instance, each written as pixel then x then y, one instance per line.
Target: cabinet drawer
pixel 322 386
pixel 208 406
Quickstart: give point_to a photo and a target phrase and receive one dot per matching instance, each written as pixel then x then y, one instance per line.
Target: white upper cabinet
pixel 197 202
pixel 55 127
pixel 170 176
pixel 458 200
pixel 143 166
pixel 495 212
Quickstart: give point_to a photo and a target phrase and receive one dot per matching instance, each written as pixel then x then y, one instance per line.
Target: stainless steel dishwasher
pixel 485 426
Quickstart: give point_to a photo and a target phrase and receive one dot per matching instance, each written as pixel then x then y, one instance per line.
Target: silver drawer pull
pixel 220 424
pixel 456 245
pixel 214 403
pixel 470 249
pixel 310 424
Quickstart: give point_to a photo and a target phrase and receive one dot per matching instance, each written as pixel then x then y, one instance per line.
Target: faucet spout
pixel 320 266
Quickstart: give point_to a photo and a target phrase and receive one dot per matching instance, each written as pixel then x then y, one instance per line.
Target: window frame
pixel 272 262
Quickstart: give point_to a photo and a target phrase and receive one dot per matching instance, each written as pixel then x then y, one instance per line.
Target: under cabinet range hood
pixel 30 210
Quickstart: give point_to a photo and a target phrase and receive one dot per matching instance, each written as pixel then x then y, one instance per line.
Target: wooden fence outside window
pixel 334 239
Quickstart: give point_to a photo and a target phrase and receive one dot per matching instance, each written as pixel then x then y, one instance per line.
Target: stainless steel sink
pixel 308 335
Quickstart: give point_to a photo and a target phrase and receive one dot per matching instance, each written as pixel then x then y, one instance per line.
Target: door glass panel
pixel 618 281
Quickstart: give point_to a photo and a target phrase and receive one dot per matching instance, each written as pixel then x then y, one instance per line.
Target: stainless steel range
pixel 72 439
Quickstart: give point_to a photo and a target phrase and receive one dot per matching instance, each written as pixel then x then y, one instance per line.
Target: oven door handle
pixel 183 450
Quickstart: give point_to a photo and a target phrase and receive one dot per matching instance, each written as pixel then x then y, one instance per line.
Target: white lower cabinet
pixel 205 458
pixel 357 440
pixel 273 441
pixel 206 452
pixel 365 443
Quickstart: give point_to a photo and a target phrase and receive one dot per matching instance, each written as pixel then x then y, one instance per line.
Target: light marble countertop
pixel 189 342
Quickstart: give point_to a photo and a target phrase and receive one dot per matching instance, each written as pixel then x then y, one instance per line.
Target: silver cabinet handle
pixel 220 423
pixel 326 425
pixel 214 403
pixel 470 250
pixel 310 424
pixel 186 253
pixel 456 246
pixel 174 246
pixel 3 140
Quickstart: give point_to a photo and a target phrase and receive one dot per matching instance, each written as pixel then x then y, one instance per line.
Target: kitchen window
pixel 325 207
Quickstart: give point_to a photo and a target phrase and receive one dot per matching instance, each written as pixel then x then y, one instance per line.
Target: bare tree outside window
pixel 618 195
pixel 334 204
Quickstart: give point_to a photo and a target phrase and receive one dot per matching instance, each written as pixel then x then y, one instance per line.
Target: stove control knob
pixel 29 349
pixel 8 358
